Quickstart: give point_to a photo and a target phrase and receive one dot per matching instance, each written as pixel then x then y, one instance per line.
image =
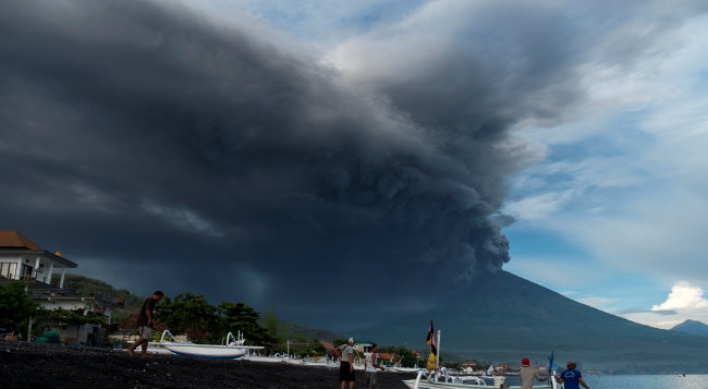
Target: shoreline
pixel 27 365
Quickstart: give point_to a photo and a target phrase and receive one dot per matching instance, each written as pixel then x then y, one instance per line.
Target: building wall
pixel 89 334
pixel 17 266
pixel 10 267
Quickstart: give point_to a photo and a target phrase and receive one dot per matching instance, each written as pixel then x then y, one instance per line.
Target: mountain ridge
pixel 693 327
pixel 502 317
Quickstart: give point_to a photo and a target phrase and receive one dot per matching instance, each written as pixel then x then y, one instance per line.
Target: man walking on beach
pixel 146 319
pixel 346 363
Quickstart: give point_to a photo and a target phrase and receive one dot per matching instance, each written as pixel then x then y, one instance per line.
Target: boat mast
pixel 437 357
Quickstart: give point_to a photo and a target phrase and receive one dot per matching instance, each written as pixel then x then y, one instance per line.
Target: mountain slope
pixel 502 318
pixel 692 327
pixel 132 304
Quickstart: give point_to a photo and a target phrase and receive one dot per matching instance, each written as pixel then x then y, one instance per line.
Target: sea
pixel 676 381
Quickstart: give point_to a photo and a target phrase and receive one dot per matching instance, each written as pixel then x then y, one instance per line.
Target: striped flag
pixel 433 347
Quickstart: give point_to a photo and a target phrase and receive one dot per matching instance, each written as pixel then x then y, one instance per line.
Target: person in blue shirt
pixel 570 378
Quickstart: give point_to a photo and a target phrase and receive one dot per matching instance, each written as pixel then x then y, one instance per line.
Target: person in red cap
pixel 528 373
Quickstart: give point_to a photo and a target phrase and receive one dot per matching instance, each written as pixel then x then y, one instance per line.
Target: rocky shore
pixel 25 365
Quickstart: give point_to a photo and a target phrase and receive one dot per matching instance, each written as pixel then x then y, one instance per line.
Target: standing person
pixel 334 355
pixel 146 319
pixel 371 367
pixel 528 373
pixel 346 363
pixel 570 378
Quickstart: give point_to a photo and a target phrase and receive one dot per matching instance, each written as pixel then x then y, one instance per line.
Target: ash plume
pixel 173 151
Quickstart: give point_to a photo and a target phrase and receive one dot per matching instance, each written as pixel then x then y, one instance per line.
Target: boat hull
pixel 205 350
pixel 425 384
pixel 407 369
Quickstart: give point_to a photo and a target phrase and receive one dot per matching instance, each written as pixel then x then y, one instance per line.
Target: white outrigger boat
pixel 442 380
pixel 469 382
pixel 399 369
pixel 233 348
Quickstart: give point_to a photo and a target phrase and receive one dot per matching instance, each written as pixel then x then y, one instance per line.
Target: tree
pixel 240 317
pixel 407 357
pixel 191 314
pixel 275 330
pixel 71 316
pixel 317 348
pixel 16 306
pixel 303 348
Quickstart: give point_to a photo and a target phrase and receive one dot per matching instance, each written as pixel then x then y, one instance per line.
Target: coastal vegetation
pixel 15 306
pixel 185 313
pixel 17 309
pixel 633 349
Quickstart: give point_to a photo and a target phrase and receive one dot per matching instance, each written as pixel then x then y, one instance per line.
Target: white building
pixel 23 260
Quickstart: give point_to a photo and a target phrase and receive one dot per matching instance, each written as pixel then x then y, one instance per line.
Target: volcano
pixel 502 318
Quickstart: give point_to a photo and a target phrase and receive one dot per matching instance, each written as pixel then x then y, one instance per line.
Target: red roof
pixel 15 240
pixel 130 322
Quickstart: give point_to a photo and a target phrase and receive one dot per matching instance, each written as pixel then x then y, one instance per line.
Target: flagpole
pixel 437 357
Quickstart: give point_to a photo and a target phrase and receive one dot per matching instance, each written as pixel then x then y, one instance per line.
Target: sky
pixel 337 159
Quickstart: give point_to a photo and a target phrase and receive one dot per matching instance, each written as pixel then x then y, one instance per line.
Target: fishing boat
pixel 440 379
pixel 233 348
pixel 467 382
pixel 205 350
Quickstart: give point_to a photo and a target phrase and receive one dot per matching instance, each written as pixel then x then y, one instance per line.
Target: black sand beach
pixel 25 365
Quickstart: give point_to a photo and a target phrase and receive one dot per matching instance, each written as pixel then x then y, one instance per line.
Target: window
pixel 8 269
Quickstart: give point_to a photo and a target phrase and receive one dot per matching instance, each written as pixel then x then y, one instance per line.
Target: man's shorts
pixel 145 332
pixel 344 373
pixel 371 380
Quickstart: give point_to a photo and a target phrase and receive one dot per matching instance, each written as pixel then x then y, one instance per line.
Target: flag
pixel 550 364
pixel 433 347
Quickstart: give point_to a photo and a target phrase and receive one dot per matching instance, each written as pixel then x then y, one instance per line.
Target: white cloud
pixel 626 181
pixel 683 296
pixel 685 301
